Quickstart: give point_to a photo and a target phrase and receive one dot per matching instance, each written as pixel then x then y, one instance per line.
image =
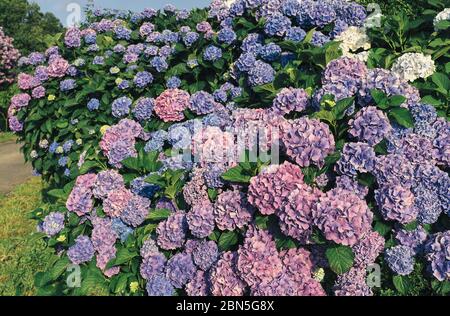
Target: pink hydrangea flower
pixel 58 67
pixel 170 104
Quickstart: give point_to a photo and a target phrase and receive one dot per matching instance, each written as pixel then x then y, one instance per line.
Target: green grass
pixel 6 136
pixel 21 256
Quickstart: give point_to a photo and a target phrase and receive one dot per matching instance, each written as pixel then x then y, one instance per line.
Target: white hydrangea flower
pixel 412 66
pixel 442 16
pixel 354 39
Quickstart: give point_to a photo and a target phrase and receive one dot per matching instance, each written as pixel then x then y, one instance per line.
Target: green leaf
pixel 124 255
pixel 380 98
pixel 401 283
pixel 227 240
pixel 442 81
pixel 402 116
pixel 262 221
pixel 159 214
pixel 397 100
pixel 428 99
pixel 236 175
pixel 309 36
pixel 58 193
pixel 59 268
pixel 88 166
pixel 382 228
pixel 342 106
pixel 340 258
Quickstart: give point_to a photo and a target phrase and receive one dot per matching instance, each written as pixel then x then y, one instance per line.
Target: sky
pixel 64 9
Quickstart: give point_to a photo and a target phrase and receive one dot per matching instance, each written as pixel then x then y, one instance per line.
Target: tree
pixel 28 26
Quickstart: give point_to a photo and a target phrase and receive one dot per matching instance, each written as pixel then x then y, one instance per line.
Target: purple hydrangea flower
pixel 438 254
pixel 93 104
pixel 277 24
pixel 400 259
pixel 205 254
pixel 308 141
pixel 53 223
pixel 396 202
pixel 212 53
pixel 153 264
pixel 201 219
pixel 290 99
pixel 202 103
pixel 172 231
pixel 136 211
pixel 370 125
pixel 143 79
pixel 356 157
pixel 260 74
pixel 82 251
pixel 159 285
pixel 343 217
pixel 121 107
pixel 180 269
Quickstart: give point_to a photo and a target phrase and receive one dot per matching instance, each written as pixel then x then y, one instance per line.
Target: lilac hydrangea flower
pixel 308 141
pixel 232 211
pixel 143 109
pixel 413 239
pixel 205 254
pixel 356 157
pixel 172 232
pixel 180 269
pixel 82 251
pixel 121 107
pixel 438 254
pixel 370 125
pixel 159 285
pixel 202 103
pixel 212 53
pixel 400 259
pixel 290 99
pixel 260 74
pixel 224 278
pixel 396 202
pixel 152 265
pixel 343 217
pixel 53 223
pixel 201 219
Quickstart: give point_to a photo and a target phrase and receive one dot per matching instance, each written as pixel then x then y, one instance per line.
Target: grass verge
pixel 6 136
pixel 21 255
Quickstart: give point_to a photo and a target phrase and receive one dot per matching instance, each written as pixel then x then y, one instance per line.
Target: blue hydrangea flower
pixel 295 34
pixel 67 85
pixel 270 52
pixel 277 24
pixel 173 82
pixel 245 62
pixel 159 63
pixel 212 53
pixel 156 142
pixel 400 259
pixel 93 104
pixel 226 35
pixel 143 109
pixel 260 74
pixel 159 285
pixel 121 107
pixel 143 79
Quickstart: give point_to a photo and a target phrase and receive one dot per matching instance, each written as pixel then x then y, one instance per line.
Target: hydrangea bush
pixel 233 150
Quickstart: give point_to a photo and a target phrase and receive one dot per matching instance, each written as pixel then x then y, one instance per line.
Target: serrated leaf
pixel 340 258
pixel 236 175
pixel 397 100
pixel 401 283
pixel 402 116
pixel 227 240
pixel 159 214
pixel 442 81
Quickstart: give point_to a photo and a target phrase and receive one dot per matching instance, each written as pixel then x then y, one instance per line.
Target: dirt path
pixel 13 169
